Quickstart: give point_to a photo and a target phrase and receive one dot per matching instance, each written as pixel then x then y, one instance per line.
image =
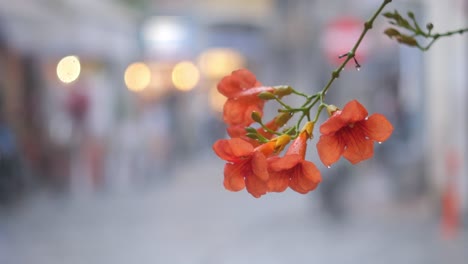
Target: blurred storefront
pixel 36 36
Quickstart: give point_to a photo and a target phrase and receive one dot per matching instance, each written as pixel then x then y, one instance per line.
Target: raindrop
pixel 328 167
pixel 379 142
pixel 358 68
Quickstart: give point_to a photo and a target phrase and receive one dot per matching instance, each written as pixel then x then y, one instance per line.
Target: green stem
pixel 319 110
pixel 435 37
pixel 367 26
pixel 300 94
pixel 311 101
pixel 282 103
pixel 270 130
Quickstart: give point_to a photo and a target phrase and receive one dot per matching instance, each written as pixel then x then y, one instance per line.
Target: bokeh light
pixel 217 100
pixel 137 76
pixel 164 33
pixel 68 69
pixel 218 62
pixel 160 83
pixel 185 76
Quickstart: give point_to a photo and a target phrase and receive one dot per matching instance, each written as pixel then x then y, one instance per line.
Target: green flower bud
pixel 266 96
pixel 283 91
pixel 282 118
pixel 250 130
pixel 405 39
pixel 391 32
pixel 252 135
pixel 429 26
pixel 256 117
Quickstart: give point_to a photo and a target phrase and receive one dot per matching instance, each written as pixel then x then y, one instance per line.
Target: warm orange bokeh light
pixel 185 76
pixel 137 76
pixel 217 100
pixel 218 62
pixel 68 69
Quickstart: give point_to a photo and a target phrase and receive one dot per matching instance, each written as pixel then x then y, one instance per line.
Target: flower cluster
pixel 254 157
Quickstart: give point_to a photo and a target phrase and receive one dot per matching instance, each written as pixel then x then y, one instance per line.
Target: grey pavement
pixel 192 219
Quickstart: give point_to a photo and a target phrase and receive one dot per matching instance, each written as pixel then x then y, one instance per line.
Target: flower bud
pixel 281 142
pixel 250 130
pixel 429 26
pixel 408 40
pixel 252 135
pixel 331 109
pixel 391 32
pixel 266 96
pixel 283 91
pixel 308 128
pixel 256 117
pixel 282 118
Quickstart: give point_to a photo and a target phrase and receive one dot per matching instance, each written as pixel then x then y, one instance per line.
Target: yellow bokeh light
pixel 68 69
pixel 217 100
pixel 137 76
pixel 185 76
pixel 218 62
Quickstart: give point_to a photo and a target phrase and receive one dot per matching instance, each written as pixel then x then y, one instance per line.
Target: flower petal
pixel 299 145
pixel 232 150
pixel 228 86
pixel 311 172
pixel 223 150
pixel 358 148
pixel 236 131
pixel 259 166
pixel 233 178
pixel 330 148
pixel 246 78
pixel 239 80
pixel 239 111
pixel 353 112
pixel 377 127
pixel 233 112
pixel 305 177
pixel 332 124
pixel 284 163
pixel 240 147
pixel 278 181
pixel 255 185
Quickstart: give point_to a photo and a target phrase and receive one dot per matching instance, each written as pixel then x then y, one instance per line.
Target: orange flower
pixel 293 170
pixel 246 166
pixel 241 88
pixel 349 132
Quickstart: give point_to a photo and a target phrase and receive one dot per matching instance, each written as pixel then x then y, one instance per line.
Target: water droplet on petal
pixel 328 167
pixel 358 68
pixel 379 142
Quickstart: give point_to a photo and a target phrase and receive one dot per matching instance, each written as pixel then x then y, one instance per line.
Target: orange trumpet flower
pixel 241 88
pixel 349 132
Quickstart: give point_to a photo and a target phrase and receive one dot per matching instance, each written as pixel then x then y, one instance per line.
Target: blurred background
pixel 108 110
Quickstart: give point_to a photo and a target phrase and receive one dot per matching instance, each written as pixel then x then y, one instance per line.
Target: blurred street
pixel 109 111
pixel 192 219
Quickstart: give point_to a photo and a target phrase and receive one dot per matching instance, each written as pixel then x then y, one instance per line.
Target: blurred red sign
pixel 340 36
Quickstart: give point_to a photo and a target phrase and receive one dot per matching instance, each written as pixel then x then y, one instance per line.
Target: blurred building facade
pixel 132 128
